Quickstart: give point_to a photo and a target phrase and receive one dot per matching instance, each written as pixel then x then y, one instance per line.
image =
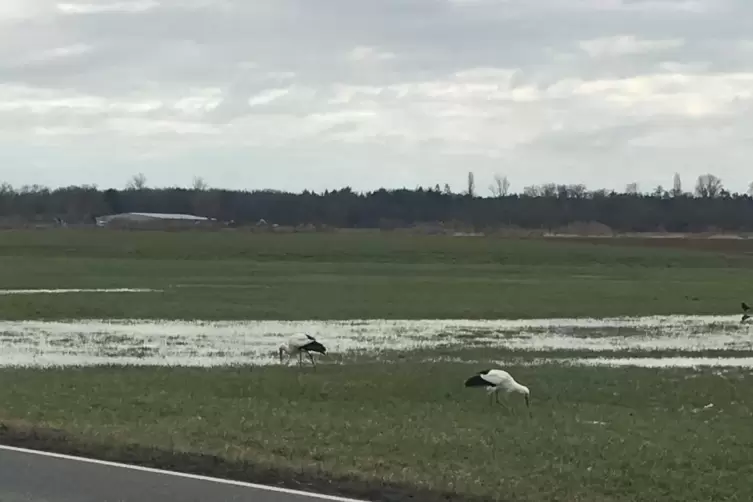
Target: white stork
pixel 746 309
pixel 499 380
pixel 300 343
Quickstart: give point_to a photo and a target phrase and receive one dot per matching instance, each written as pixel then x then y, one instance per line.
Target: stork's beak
pixel 528 405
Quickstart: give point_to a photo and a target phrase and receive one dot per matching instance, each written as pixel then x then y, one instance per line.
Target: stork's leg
pixel 496 396
pixel 300 359
pixel 512 408
pixel 311 358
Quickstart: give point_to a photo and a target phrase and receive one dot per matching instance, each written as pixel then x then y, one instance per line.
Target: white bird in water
pixel 300 343
pixel 499 380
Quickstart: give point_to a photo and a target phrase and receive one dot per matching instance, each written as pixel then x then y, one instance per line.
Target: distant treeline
pixel 709 207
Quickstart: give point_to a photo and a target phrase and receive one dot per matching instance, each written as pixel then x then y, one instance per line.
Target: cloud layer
pixel 295 94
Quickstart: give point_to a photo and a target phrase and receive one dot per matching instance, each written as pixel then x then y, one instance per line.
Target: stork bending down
pixel 499 380
pixel 300 343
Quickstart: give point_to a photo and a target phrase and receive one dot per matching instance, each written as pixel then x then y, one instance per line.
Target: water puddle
pixel 666 362
pixel 207 343
pixel 62 291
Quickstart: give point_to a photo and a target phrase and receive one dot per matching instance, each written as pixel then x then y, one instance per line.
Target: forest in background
pixel 708 207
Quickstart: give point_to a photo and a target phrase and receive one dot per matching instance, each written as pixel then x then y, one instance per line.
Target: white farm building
pixel 152 219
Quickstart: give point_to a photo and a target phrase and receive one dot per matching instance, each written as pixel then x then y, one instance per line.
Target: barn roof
pixel 162 216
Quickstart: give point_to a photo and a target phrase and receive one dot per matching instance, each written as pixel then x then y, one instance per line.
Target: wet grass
pixel 491 356
pixel 596 434
pixel 236 275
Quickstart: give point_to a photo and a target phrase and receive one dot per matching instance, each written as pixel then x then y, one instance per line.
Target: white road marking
pixel 198 477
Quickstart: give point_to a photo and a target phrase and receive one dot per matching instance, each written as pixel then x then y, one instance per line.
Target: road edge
pixel 55 442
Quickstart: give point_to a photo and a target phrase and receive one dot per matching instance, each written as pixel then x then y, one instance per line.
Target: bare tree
pixel 137 182
pixel 531 191
pixel 708 186
pixel 548 189
pixel 471 191
pixel 576 191
pixel 631 188
pixel 676 185
pixel 501 186
pixel 199 183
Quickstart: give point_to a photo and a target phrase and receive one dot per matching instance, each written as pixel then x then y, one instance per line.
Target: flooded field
pixel 667 362
pixel 65 291
pixel 198 343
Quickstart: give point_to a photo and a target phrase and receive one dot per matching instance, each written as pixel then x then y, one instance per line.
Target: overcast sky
pixel 294 94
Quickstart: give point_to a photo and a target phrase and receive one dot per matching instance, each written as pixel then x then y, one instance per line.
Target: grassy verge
pixel 609 435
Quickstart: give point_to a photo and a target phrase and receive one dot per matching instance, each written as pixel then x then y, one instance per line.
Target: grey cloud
pixel 415 106
pixel 176 44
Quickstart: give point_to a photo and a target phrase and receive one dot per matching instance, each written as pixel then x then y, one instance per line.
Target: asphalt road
pixel 27 476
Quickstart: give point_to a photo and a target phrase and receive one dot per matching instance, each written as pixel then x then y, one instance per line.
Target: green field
pixel 397 426
pixel 229 275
